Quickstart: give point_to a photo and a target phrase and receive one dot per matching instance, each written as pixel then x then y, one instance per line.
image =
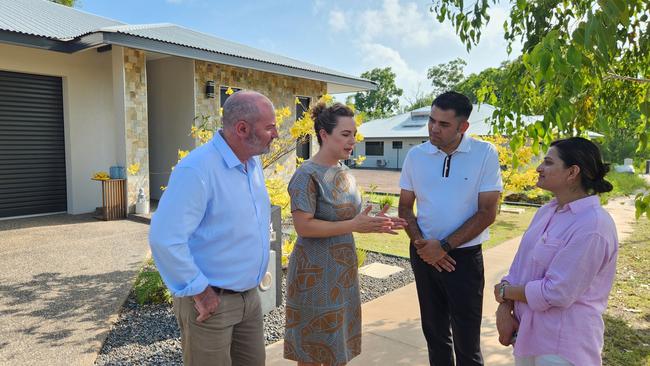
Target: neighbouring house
pixel 80 93
pixel 388 140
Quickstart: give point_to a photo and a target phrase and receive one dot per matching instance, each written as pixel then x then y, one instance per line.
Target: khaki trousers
pixel 234 335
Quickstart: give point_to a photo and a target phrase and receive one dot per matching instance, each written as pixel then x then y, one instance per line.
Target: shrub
pixel 149 288
pixel 386 200
pixel 361 256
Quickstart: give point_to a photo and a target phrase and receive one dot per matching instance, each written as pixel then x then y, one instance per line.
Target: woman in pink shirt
pixel 553 298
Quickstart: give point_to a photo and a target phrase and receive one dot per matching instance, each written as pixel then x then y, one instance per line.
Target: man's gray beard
pixel 254 142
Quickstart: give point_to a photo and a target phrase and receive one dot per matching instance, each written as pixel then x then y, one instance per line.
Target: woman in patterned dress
pixel 323 320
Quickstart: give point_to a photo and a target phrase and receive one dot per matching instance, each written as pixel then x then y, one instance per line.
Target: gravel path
pixel 149 335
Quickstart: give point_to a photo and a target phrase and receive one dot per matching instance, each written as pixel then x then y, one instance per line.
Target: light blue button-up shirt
pixel 212 223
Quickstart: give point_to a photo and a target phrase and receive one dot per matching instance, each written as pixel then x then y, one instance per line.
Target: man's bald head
pixel 244 105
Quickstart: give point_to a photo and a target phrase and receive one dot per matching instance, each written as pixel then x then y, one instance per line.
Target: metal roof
pixel 72 30
pixel 171 33
pixel 414 123
pixel 48 19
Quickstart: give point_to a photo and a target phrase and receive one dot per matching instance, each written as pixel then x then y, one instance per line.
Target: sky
pixel 347 36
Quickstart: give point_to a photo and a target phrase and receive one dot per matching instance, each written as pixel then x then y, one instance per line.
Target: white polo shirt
pixel 446 187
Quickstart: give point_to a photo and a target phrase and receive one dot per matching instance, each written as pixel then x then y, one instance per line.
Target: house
pixel 387 140
pixel 80 93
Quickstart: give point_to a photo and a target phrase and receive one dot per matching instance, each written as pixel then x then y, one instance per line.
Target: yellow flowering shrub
pixel 204 127
pixel 517 177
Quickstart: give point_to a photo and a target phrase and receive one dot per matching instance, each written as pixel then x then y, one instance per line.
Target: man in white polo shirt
pixel 456 181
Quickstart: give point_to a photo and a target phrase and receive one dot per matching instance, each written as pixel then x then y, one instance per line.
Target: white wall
pixel 89 117
pixel 395 158
pixel 170 90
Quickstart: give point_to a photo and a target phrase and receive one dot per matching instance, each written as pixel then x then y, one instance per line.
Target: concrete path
pixel 63 281
pixel 392 333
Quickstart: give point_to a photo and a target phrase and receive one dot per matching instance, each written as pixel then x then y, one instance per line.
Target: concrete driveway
pixel 62 280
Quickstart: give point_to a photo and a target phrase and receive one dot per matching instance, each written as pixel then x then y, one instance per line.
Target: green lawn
pixel 627 319
pixel 507 226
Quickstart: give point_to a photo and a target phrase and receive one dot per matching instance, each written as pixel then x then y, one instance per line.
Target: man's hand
pixel 430 250
pixel 507 325
pixel 206 303
pixel 446 263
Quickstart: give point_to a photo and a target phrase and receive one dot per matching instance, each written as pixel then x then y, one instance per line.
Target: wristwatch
pixel 444 244
pixel 502 290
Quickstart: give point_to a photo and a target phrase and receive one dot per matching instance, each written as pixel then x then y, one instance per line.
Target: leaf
pixel 644 108
pixel 574 57
pixel 643 143
pixel 579 34
pixel 535 146
pixel 544 61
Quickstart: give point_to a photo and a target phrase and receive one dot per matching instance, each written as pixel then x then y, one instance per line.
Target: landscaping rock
pixel 149 334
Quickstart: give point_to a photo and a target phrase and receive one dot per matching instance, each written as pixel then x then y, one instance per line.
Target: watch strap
pixel 444 244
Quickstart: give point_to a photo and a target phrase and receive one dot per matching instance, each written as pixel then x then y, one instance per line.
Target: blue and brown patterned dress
pixel 323 320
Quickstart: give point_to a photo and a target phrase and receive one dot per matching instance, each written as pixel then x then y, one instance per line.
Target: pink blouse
pixel 567 262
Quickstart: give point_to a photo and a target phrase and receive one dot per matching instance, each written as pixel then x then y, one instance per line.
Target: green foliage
pixel 381 102
pixel 361 256
pixel 149 287
pixel 586 62
pixel 625 184
pixel 386 200
pixel 424 100
pixel 492 79
pixel 69 3
pixel 445 76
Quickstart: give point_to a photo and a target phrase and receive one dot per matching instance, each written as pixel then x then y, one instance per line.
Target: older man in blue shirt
pixel 210 237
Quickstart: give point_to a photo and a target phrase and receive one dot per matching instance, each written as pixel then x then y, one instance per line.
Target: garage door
pixel 32 149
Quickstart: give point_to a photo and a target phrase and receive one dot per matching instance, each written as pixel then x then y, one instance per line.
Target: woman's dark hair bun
pixel 586 155
pixel 325 118
pixel 601 186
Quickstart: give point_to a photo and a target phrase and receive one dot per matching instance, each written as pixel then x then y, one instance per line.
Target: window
pixel 374 148
pixel 302 106
pixel 303 149
pixel 397 145
pixel 223 93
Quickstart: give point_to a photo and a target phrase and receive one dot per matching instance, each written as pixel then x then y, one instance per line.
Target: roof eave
pixel 335 83
pixel 30 40
pixel 126 40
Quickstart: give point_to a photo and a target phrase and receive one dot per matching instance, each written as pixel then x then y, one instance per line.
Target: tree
pixel 491 77
pixel 69 3
pixel 445 77
pixel 381 102
pixel 424 100
pixel 204 127
pixel 588 62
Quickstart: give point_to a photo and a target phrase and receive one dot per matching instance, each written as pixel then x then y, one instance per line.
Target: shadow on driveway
pixel 63 281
